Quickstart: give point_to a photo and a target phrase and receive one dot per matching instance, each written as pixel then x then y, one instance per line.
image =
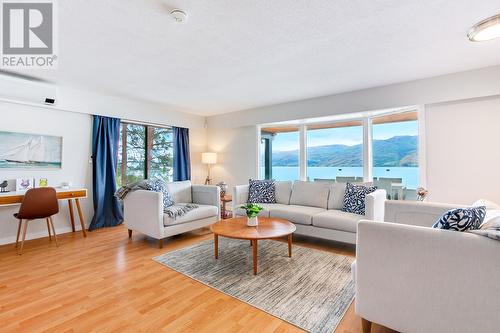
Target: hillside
pixel 398 151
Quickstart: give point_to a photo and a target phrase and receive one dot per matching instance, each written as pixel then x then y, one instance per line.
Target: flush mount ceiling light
pixel 178 15
pixel 485 30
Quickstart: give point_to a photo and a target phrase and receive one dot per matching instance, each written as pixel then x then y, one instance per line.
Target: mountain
pixel 398 151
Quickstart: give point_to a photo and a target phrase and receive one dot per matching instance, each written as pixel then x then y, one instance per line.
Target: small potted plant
pixel 252 210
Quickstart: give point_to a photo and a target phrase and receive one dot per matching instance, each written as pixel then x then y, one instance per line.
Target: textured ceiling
pixel 233 55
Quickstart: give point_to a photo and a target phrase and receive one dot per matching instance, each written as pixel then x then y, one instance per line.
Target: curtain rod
pixel 135 122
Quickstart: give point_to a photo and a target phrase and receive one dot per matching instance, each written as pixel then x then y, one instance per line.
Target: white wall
pixel 71 119
pixel 75 128
pixel 237 154
pixel 463 151
pixel 458 86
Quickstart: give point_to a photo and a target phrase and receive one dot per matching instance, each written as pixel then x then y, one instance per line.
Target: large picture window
pixel 335 151
pixel 379 146
pixel 280 153
pixel 395 153
pixel 144 152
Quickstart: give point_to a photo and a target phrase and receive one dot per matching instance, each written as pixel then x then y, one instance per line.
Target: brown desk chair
pixel 38 203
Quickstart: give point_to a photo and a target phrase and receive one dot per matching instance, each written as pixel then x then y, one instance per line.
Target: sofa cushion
pixel 261 191
pixel 283 192
pixel 295 213
pixel 336 197
pixel 313 194
pixel 337 220
pixel 202 212
pixel 263 213
pixel 180 191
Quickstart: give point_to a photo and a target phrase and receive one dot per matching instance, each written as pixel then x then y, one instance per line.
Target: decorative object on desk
pixel 252 210
pixel 66 185
pixel 22 150
pixel 41 182
pixel 421 193
pixel 208 159
pixel 23 184
pixel 223 188
pixel 3 186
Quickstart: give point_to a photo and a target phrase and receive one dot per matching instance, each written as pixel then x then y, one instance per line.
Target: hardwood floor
pixel 108 283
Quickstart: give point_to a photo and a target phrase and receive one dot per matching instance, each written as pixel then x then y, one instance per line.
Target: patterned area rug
pixel 311 290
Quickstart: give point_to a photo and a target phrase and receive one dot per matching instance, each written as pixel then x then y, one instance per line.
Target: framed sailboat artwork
pixel 30 151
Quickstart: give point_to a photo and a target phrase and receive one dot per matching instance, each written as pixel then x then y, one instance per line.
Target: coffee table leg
pixel 216 246
pixel 290 245
pixel 254 249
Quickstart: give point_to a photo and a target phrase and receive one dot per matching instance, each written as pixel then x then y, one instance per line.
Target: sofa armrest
pixel 423 214
pixel 143 212
pixel 375 205
pixel 206 195
pixel 240 195
pixel 417 279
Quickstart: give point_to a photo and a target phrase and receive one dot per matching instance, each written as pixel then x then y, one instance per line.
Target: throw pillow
pixel 461 219
pixel 261 191
pixel 354 198
pixel 159 185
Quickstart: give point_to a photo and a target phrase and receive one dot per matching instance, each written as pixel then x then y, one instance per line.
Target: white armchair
pixel 413 278
pixel 143 210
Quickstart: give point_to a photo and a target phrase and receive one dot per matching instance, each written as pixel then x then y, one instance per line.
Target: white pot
pixel 252 221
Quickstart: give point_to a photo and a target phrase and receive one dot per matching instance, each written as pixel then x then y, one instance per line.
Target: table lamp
pixel 209 159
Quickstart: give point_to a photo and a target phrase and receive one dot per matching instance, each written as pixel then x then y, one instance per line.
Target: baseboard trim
pixel 39 234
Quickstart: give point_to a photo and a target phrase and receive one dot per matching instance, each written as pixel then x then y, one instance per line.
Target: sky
pixel 345 136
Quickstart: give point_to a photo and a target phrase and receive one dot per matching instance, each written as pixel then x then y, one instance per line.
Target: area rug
pixel 311 290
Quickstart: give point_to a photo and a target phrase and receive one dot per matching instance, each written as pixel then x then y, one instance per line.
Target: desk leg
pixel 80 215
pixel 71 216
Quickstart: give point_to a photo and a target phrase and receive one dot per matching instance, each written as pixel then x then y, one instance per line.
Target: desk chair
pixel 38 203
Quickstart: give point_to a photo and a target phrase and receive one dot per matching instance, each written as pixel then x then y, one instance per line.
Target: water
pixel 409 175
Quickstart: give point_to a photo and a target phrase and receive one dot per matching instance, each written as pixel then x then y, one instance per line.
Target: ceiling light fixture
pixel 178 15
pixel 485 30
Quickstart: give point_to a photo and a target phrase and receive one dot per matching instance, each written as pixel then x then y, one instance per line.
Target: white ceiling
pixel 233 55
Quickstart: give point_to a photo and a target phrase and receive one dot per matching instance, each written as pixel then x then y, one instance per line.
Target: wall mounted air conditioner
pixel 21 90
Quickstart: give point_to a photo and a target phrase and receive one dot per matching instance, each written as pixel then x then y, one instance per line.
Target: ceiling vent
pixel 20 90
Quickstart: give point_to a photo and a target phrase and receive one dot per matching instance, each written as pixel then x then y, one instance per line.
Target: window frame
pixel 367 122
pixel 148 145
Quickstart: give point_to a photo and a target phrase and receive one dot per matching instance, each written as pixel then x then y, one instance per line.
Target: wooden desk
pixel 16 197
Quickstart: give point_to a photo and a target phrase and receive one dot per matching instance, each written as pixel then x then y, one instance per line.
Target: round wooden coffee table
pixel 268 228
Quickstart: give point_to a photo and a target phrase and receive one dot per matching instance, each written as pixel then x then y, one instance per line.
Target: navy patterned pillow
pixel 462 219
pixel 261 191
pixel 354 198
pixel 159 185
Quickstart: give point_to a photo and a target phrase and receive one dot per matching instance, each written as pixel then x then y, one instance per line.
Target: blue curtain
pixel 108 211
pixel 182 164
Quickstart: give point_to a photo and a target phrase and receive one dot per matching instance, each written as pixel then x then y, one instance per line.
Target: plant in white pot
pixel 252 210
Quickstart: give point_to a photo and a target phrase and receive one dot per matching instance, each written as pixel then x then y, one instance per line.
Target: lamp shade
pixel 208 158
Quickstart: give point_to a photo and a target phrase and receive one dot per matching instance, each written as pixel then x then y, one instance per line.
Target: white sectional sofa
pixel 315 208
pixel 143 210
pixel 413 278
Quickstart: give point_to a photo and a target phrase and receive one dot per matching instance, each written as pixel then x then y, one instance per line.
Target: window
pixel 382 146
pixel 280 153
pixel 395 153
pixel 144 152
pixel 335 150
